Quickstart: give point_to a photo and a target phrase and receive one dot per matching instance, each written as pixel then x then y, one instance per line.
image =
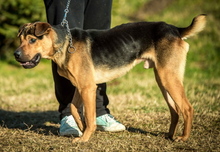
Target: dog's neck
pixel 60 52
pixel 60 43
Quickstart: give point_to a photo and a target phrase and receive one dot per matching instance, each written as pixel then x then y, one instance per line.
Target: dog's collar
pixel 71 47
pixel 68 50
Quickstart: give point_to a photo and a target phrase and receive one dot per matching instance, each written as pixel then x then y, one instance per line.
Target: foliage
pixel 13 15
pixel 122 9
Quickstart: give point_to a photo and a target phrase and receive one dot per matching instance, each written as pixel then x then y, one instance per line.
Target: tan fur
pixel 197 25
pixel 104 74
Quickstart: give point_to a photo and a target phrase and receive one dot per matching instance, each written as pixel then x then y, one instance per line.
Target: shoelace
pixel 109 118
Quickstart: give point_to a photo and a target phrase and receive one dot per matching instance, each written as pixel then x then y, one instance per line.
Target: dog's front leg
pixel 88 95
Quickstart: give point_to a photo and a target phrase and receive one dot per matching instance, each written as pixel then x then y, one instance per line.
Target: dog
pixel 99 56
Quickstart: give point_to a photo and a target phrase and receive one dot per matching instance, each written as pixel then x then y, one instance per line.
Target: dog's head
pixel 35 41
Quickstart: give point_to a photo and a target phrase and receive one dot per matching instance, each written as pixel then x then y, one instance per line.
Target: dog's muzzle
pixel 27 64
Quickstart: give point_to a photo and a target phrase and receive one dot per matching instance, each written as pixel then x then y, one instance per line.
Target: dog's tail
pixel 195 27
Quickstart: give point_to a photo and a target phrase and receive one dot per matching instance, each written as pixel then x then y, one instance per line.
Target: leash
pixel 65 22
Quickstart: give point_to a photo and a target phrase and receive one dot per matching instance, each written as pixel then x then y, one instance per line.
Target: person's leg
pixel 64 90
pixel 101 100
pixel 98 16
pixel 55 12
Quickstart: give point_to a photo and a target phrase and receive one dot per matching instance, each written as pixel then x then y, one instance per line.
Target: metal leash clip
pixel 65 22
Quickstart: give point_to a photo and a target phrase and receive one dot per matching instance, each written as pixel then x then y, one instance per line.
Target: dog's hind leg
pixel 174 110
pixel 173 90
pixel 169 71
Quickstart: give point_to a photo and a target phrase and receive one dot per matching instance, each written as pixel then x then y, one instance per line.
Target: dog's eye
pixel 31 41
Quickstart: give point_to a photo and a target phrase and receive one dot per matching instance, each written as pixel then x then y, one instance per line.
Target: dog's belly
pixel 105 73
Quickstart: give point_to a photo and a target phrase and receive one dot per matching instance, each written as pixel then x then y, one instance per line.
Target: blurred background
pixel 205 48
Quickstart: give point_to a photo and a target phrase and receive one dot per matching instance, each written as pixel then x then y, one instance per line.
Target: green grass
pixel 29 120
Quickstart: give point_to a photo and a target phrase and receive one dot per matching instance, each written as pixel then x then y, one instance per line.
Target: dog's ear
pixel 42 28
pixel 21 29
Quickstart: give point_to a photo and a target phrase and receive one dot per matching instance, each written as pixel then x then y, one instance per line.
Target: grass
pixel 29 120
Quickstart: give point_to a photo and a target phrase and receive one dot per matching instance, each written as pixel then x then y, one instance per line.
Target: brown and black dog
pixel 102 55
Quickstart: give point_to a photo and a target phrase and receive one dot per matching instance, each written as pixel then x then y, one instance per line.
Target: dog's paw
pixel 181 138
pixel 75 140
pixel 79 139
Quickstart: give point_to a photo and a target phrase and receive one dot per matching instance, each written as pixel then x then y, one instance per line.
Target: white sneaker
pixel 69 127
pixel 105 122
pixel 108 123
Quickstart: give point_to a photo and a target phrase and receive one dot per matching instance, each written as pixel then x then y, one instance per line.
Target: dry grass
pixel 29 120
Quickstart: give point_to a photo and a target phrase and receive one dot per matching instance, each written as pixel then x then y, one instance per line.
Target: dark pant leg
pixel 55 12
pixel 98 16
pixel 64 90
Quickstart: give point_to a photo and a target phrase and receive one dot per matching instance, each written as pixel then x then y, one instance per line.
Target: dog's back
pixel 129 41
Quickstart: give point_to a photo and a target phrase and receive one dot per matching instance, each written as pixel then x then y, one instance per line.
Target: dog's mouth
pixel 32 63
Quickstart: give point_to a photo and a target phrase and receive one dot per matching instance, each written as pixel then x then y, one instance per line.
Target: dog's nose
pixel 17 54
